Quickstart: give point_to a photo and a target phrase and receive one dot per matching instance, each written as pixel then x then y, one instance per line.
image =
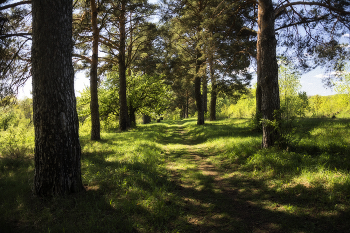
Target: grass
pixel 176 176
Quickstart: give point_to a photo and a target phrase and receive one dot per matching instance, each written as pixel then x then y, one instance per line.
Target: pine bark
pixel 267 72
pixel 123 114
pixel 205 93
pixel 197 91
pixel 57 147
pixel 94 108
pixel 213 90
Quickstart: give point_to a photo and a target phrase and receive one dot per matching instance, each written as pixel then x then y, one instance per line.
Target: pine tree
pixel 57 147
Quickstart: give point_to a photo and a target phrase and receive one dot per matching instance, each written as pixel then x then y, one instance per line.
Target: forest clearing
pixel 175 176
pixel 230 140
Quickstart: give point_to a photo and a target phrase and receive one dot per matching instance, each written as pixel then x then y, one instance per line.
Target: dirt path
pixel 215 200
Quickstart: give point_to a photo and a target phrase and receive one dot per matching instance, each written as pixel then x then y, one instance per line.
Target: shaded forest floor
pixel 180 177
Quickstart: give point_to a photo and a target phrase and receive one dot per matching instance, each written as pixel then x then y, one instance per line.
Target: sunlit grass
pixel 175 176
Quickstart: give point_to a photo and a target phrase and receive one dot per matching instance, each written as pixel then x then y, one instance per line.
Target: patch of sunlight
pixel 325 178
pixel 290 208
pixel 111 159
pixel 220 216
pixel 342 207
pixel 92 188
pixel 180 166
pixel 229 175
pixel 191 201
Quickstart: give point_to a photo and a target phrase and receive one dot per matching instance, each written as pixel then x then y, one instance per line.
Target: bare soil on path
pixel 217 200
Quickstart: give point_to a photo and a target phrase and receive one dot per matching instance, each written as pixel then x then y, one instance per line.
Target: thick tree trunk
pixel 123 114
pixel 57 147
pixel 197 91
pixel 267 71
pixel 94 108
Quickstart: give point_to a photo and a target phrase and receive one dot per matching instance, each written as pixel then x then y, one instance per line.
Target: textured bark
pixel 57 147
pixel 267 70
pixel 94 108
pixel 197 92
pixel 205 94
pixel 123 114
pixel 213 90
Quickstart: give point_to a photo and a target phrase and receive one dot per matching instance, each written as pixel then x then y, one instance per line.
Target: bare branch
pixel 15 34
pixel 14 5
pixel 82 57
pixel 279 10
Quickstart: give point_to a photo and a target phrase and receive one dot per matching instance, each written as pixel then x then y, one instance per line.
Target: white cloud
pixel 346 35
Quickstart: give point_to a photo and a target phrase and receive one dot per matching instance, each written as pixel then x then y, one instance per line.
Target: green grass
pixel 176 176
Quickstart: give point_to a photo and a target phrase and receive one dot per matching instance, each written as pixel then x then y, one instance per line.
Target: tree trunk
pixel 146 119
pixel 187 103
pixel 205 94
pixel 94 108
pixel 123 114
pixel 267 71
pixel 213 102
pixel 132 116
pixel 197 91
pixel 213 90
pixel 57 147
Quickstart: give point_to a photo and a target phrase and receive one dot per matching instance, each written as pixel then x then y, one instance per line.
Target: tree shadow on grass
pixel 245 206
pixel 120 196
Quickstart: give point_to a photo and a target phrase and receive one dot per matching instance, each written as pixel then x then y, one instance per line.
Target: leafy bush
pixel 7 118
pixel 285 126
pixel 17 142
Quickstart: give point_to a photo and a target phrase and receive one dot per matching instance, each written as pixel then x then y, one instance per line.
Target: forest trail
pixel 215 200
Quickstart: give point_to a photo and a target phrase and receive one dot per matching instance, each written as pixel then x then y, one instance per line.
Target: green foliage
pixel 7 118
pixel 293 102
pixel 146 94
pixel 17 137
pixel 17 142
pixel 329 106
pixel 285 127
pixel 255 122
pixel 343 86
pixel 302 104
pixel 173 115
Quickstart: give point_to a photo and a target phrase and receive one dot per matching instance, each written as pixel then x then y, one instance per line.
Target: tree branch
pixel 14 5
pixel 280 9
pixel 302 22
pixel 16 34
pixel 82 57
